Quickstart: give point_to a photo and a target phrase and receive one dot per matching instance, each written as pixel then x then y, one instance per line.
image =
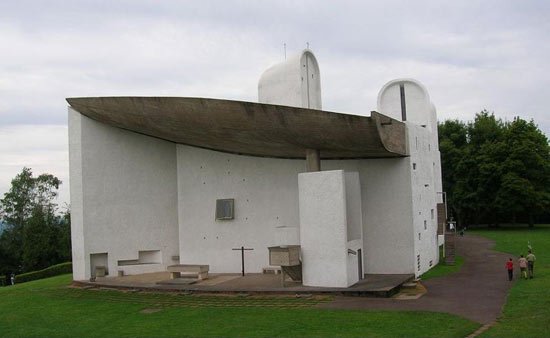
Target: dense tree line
pixel 36 234
pixel 494 171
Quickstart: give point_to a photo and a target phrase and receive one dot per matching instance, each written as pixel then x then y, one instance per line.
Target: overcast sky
pixel 471 55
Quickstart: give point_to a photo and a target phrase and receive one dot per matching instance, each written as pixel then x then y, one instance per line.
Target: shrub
pixel 2 280
pixel 51 271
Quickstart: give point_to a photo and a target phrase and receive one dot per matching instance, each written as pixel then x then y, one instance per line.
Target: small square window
pixel 225 209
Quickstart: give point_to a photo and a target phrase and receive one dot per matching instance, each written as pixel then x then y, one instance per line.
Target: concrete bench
pixel 100 271
pixel 188 270
pixel 276 270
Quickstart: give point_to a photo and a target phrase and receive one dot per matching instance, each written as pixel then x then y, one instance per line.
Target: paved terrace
pixel 372 285
pixel 477 292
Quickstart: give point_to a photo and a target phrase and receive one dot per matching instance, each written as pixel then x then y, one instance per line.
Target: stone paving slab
pixel 178 281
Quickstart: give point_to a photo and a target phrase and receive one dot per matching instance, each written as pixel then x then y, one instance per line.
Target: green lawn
pixel 442 269
pixel 527 310
pixel 49 308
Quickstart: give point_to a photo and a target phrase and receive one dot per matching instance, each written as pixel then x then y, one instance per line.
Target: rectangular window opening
pixel 225 209
pixel 403 102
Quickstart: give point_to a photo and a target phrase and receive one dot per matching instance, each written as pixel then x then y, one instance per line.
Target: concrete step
pixel 294 272
pixel 409 285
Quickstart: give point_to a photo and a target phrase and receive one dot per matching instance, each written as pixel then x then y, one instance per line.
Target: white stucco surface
pixel 418 104
pixel 424 198
pixel 425 161
pixel 77 204
pixel 387 216
pixel 323 233
pixel 293 82
pixel 287 235
pixel 125 196
pixel 139 204
pixel 354 227
pixel 266 205
pixel 266 198
pixel 330 226
pixel 353 206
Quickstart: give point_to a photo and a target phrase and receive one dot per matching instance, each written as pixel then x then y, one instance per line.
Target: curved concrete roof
pixel 250 128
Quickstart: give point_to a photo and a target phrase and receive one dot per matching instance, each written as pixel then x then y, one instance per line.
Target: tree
pixel 26 193
pixel 36 235
pixel 495 171
pixel 525 170
pixel 474 178
pixel 452 142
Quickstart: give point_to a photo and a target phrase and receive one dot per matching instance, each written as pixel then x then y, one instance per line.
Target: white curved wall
pixel 132 193
pixel 295 82
pixel 124 197
pixel 129 191
pixel 266 197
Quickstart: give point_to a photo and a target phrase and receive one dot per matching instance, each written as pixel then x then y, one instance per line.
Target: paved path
pixel 477 292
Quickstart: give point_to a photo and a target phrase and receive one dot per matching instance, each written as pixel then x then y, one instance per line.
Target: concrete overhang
pixel 249 128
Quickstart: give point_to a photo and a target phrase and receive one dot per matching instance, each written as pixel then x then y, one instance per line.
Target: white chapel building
pixel 157 181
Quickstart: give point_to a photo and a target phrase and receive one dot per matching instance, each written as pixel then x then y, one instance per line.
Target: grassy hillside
pixel 527 310
pixel 49 308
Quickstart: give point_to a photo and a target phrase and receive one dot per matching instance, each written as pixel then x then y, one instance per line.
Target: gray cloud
pixel 471 55
pixel 219 48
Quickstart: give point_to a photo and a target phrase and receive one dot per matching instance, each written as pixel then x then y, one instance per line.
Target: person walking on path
pixel 531 264
pixel 510 268
pixel 522 262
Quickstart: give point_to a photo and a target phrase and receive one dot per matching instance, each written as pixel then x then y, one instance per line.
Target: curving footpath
pixel 477 292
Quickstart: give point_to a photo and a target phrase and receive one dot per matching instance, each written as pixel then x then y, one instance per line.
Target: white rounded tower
pixel 295 82
pixel 407 100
